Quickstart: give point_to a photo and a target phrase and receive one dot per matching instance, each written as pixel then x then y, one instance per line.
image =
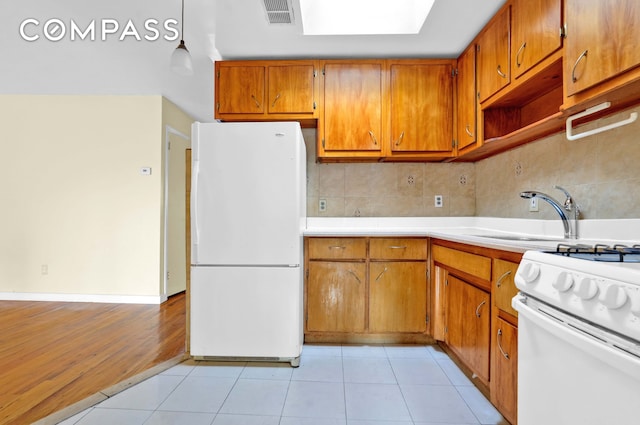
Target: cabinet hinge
pixel 314 105
pixel 315 73
pixel 446 282
pixel 218 74
pixel 454 143
pixel 306 273
pixel 477 47
pixel 563 31
pixel 323 71
pixel 427 319
pixel 446 330
pixel 218 106
pixel 454 72
pixel 323 143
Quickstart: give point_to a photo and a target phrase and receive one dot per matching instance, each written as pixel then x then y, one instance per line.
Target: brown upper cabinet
pixel 351 120
pixel 386 110
pixel 602 41
pixel 467 100
pixel 534 64
pixel 536 32
pixel 494 71
pixel 266 90
pixel 291 89
pixel 421 99
pixel 239 89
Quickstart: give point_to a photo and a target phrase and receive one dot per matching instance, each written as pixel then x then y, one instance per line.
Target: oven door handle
pixel 550 320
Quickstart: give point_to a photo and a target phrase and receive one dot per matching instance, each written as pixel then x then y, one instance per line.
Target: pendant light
pixel 181 59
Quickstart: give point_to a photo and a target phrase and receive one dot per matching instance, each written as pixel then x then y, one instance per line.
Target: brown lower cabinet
pixel 504 376
pixel 366 290
pixel 336 296
pixel 473 287
pixel 468 325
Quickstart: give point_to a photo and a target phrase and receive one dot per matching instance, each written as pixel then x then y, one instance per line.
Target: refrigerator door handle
pixel 195 194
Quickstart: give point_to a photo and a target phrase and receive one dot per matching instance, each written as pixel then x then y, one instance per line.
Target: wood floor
pixel 55 354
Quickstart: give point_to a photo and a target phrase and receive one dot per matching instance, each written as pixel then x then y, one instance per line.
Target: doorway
pixel 177 171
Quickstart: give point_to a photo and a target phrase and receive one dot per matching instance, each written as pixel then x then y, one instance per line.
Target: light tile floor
pixel 334 385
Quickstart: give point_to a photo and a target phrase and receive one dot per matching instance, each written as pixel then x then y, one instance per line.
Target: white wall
pixel 73 198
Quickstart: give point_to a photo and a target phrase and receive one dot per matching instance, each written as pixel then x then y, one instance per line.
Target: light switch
pixel 145 171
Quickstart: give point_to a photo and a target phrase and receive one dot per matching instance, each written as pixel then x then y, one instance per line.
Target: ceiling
pixel 214 29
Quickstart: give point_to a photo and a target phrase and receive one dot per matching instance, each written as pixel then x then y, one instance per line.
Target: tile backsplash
pixel 600 171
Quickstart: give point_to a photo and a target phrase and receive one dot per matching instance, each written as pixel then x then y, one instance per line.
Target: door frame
pixel 169 130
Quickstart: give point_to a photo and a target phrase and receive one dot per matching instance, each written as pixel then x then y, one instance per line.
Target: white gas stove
pixel 579 335
pixel 598 284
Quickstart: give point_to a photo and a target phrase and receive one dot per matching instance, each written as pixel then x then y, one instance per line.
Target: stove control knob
pixel 528 272
pixel 635 302
pixel 563 282
pixel 586 288
pixel 613 297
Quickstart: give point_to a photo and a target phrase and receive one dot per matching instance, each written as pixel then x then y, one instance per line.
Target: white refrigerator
pixel 248 207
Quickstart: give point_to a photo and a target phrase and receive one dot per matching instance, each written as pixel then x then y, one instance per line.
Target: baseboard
pixel 83 298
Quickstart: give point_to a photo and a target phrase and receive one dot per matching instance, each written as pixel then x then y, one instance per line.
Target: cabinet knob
pixel 400 139
pixel 504 354
pixel 373 137
pixel 520 50
pixel 501 278
pixel 275 100
pixel 256 101
pixel 575 65
pixel 500 73
pixel 468 130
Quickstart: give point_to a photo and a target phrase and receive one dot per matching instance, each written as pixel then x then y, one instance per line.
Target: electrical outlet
pixel 44 269
pixel 322 205
pixel 533 204
pixel 438 201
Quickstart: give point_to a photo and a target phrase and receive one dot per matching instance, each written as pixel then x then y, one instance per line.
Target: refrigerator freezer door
pixel 253 312
pixel 249 203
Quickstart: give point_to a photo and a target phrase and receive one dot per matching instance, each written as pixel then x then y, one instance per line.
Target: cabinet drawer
pixel 504 288
pixel 337 248
pixel 397 249
pixel 473 264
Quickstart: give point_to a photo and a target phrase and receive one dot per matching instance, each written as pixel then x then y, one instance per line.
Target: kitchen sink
pixel 522 238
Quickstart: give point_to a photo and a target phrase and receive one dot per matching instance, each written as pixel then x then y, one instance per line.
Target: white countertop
pixel 476 230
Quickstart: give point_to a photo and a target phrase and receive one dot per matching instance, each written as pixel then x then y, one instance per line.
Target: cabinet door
pixel 352 107
pixel 493 56
pixel 536 32
pixel 504 288
pixel 468 325
pixel 421 108
pixel 291 89
pixel 336 296
pixel 398 296
pixel 602 40
pixel 504 379
pixel 467 99
pixel 241 89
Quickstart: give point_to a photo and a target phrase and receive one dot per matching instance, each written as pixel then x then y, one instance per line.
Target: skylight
pixel 354 17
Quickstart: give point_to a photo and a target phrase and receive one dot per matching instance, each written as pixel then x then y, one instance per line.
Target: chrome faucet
pixel 569 211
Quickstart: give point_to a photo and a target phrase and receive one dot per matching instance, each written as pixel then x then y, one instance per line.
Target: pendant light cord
pixel 182 25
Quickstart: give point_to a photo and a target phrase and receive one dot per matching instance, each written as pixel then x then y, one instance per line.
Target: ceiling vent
pixel 279 11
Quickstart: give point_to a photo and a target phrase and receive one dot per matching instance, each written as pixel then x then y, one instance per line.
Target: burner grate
pixel 617 253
